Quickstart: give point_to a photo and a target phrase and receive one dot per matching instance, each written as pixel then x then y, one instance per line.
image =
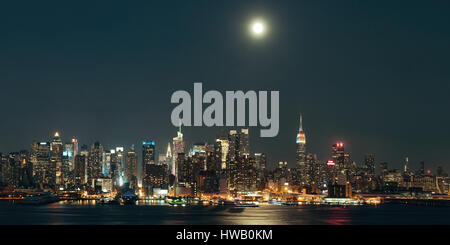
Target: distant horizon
pixel 188 145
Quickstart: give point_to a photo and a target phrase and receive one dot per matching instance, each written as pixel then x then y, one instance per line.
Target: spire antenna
pixel 301 123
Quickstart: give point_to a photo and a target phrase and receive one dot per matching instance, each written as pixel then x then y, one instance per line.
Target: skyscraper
pixel 67 166
pixel 56 154
pixel 338 155
pixel 223 143
pixel 131 173
pixel 75 151
pixel 148 160
pixel 233 150
pixel 232 159
pixel 198 148
pixel 238 144
pixel 118 175
pixel 168 161
pixel 369 162
pixel 260 166
pixel 95 163
pixel 301 162
pixel 244 143
pixel 42 170
pixel 178 147
pixel 343 164
pixel 260 161
pixel 108 163
pixel 148 152
pixel 406 167
pixel 80 170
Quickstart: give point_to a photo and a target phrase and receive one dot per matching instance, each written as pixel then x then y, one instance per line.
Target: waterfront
pixel 87 213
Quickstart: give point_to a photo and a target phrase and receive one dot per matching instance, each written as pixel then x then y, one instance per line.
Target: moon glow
pixel 257 28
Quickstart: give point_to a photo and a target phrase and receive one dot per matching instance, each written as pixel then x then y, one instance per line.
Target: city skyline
pixel 161 149
pixel 226 168
pixel 233 121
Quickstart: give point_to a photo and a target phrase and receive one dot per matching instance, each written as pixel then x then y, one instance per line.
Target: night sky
pixel 374 74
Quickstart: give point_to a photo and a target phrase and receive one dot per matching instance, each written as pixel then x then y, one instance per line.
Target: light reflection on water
pixel 88 212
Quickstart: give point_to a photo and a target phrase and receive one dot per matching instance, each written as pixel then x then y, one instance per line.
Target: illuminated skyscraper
pixel 25 171
pixel 108 163
pixel 68 153
pixel 244 143
pixel 331 172
pixel 74 152
pixel 238 144
pixel 233 149
pixel 56 155
pixel 12 176
pixel 406 167
pixel 260 161
pixel 119 174
pixel 95 163
pixel 67 166
pixel 169 162
pixel 148 160
pixel 148 153
pixel 369 161
pixel 80 170
pixel 344 166
pixel 178 147
pixel 214 158
pixel 239 165
pixel 338 155
pixel 198 148
pixel 260 166
pixel 131 173
pixel 302 165
pixel 232 159
pixel 224 145
pixel 42 170
pixel 246 178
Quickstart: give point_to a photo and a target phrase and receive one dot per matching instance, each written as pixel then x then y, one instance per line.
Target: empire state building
pixel 301 154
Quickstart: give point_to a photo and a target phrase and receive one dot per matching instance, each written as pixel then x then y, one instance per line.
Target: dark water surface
pixel 76 213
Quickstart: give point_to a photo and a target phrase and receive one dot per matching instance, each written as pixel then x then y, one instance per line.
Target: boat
pixel 40 198
pixel 177 202
pixel 129 198
pixel 289 203
pixel 108 201
pixel 227 202
pixel 246 204
pixel 275 202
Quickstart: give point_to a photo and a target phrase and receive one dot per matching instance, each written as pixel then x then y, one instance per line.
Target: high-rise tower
pixel 178 147
pixel 131 169
pixel 95 163
pixel 148 162
pixel 224 146
pixel 169 162
pixel 56 155
pixel 42 168
pixel 244 143
pixel 338 156
pixel 406 167
pixel 301 154
pixel 369 162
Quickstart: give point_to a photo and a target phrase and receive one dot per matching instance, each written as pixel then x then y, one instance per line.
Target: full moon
pixel 258 28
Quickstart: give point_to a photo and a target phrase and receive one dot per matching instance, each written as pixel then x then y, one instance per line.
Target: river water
pixel 86 213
